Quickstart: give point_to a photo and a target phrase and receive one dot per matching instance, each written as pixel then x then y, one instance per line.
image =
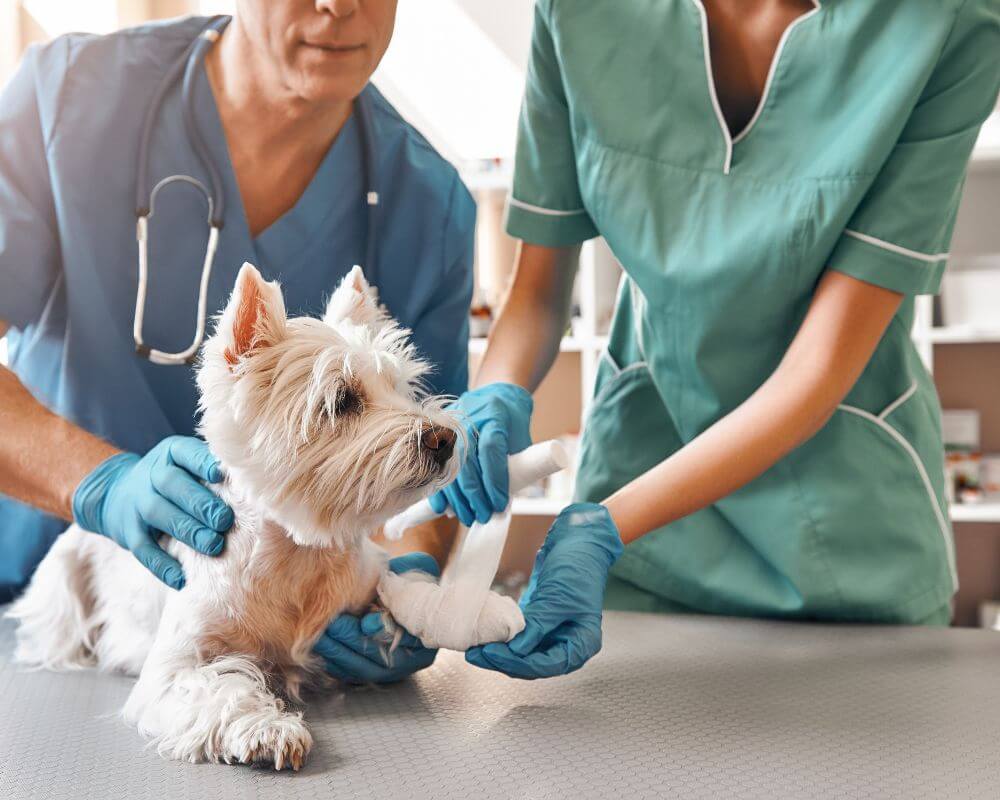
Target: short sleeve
pixel 899 235
pixel 545 206
pixel 29 249
pixel 442 332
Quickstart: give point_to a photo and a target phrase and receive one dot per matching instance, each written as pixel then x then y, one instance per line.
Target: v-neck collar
pixel 341 165
pixel 728 137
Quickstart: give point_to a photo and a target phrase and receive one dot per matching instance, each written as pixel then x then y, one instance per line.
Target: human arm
pixel 43 457
pixel 562 606
pixel 896 240
pixel 538 300
pixel 497 411
pixel 52 464
pixel 546 210
pixel 837 338
pixel 895 243
pixel 45 460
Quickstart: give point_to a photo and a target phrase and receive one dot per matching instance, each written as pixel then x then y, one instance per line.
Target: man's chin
pixel 322 87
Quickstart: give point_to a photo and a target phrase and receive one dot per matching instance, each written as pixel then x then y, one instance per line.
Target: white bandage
pixel 525 468
pixel 462 611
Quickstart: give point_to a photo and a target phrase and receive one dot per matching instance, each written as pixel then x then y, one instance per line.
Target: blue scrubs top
pixel 69 136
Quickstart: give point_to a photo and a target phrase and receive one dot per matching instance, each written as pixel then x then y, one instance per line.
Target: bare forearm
pixel 525 339
pixel 775 420
pixel 841 331
pixel 43 457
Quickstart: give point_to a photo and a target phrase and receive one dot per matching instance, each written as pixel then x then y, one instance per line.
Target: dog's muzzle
pixel 439 442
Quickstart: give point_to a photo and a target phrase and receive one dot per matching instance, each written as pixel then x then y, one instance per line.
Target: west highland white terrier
pixel 323 434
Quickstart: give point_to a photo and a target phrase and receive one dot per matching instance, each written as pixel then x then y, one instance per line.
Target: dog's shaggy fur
pixel 323 435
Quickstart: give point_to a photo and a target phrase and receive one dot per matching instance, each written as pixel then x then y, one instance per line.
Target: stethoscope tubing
pixel 145 198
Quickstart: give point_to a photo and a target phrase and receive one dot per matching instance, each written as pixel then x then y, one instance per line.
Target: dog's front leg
pixel 219 710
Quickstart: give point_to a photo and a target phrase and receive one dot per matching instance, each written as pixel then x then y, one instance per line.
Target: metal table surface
pixel 673 706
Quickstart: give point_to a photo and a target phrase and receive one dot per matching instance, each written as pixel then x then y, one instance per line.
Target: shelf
pixel 959 334
pixel 976 512
pixel 569 344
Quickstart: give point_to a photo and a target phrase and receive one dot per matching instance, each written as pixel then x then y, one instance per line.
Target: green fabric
pixel 855 163
pixel 621 595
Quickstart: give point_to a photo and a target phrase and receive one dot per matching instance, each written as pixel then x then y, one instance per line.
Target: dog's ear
pixel 255 315
pixel 354 301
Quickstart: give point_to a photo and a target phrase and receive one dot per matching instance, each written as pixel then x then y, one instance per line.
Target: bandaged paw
pixel 439 615
pixel 461 611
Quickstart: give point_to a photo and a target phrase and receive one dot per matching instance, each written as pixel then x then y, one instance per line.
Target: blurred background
pixel 456 69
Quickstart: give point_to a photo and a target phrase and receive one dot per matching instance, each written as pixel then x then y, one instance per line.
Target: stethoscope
pixel 146 198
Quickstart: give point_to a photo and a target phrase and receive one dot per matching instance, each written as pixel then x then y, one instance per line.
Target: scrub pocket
pixel 628 430
pixel 873 481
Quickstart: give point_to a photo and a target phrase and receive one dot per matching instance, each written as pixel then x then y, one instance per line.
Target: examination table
pixel 673 707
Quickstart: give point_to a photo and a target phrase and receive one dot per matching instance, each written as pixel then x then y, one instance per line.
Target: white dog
pixel 323 436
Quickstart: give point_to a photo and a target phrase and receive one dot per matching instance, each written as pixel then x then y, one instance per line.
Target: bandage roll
pixel 536 462
pixel 525 468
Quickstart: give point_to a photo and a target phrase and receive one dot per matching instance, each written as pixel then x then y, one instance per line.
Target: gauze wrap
pixel 462 611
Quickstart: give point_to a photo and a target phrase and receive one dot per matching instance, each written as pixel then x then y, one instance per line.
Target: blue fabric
pixel 69 136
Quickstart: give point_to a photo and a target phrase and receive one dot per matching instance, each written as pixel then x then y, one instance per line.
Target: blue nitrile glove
pixel 352 647
pixel 132 500
pixel 496 419
pixel 562 604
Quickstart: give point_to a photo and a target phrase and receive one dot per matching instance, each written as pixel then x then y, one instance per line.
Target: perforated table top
pixel 674 706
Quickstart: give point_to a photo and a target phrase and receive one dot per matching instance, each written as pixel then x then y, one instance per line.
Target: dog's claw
pixel 278 747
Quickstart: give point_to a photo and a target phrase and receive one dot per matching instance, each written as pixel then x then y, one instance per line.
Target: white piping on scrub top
pixel 551 212
pixel 898 401
pixel 949 545
pixel 710 73
pixel 775 60
pixel 706 49
pixel 895 248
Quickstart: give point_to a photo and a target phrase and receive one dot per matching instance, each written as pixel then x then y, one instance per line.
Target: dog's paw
pixel 282 743
pixel 445 616
pixel 499 621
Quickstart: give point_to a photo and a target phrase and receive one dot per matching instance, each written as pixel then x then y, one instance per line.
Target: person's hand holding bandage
pixel 132 500
pixel 353 648
pixel 496 419
pixel 563 602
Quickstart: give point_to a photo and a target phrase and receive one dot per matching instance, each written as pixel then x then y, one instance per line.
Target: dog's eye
pixel 348 402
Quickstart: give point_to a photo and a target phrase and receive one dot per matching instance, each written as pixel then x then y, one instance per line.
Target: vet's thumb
pixel 528 640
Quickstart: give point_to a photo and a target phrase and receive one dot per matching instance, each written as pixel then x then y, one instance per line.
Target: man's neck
pixel 264 108
pixel 277 139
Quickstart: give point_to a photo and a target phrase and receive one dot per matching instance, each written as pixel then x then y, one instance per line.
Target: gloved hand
pixel 496 418
pixel 351 647
pixel 562 604
pixel 132 499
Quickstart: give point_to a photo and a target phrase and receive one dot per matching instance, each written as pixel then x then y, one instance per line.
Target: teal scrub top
pixel 70 122
pixel 854 161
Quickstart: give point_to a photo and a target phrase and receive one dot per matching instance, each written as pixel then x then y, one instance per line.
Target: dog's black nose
pixel 440 441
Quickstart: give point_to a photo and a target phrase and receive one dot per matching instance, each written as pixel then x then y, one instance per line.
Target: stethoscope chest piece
pixel 145 202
